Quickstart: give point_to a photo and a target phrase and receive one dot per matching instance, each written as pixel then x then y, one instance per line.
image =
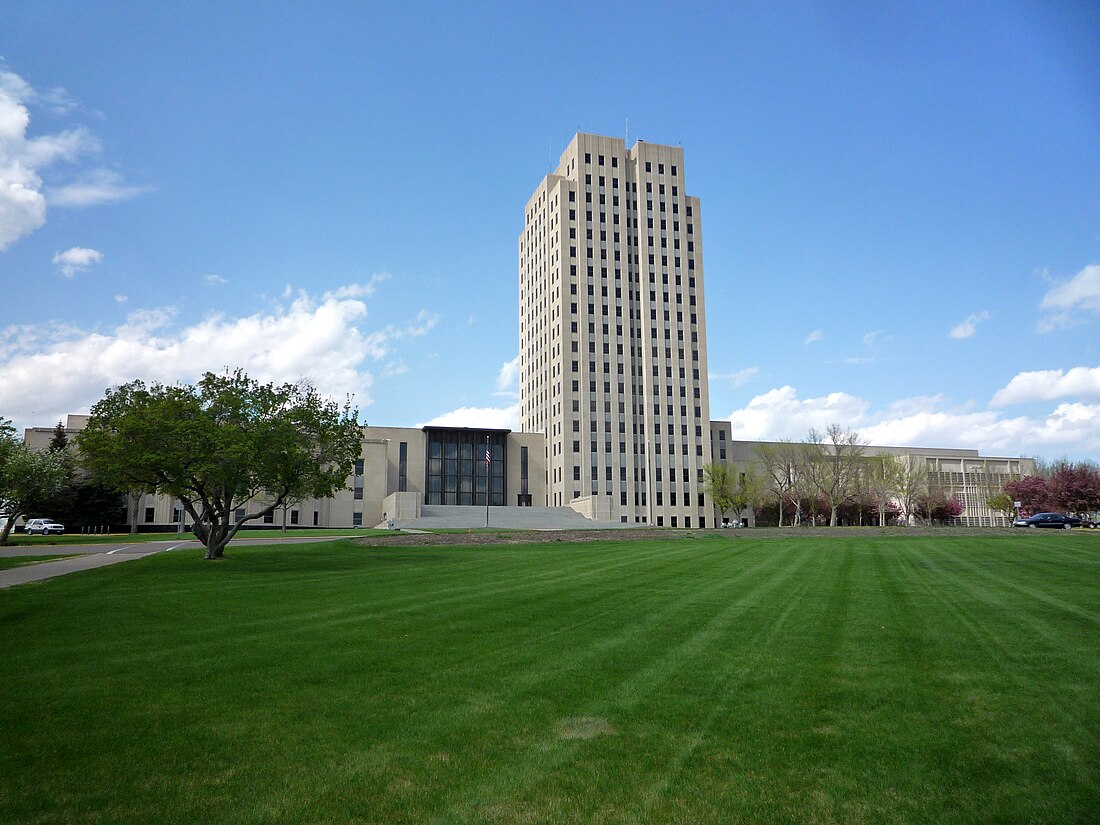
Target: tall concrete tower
pixel 613 356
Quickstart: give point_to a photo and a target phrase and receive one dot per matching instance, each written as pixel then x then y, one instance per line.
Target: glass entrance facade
pixel 457 472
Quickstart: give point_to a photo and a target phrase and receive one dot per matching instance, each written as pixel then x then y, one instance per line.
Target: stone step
pixel 453 516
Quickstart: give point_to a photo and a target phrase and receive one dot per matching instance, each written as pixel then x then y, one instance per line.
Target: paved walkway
pixel 49 569
pixel 91 556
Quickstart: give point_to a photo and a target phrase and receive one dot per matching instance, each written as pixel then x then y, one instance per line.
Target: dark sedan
pixel 1058 520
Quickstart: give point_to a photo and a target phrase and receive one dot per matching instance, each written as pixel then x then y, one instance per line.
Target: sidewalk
pixel 50 569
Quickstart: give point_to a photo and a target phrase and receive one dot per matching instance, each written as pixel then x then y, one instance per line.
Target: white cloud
pixel 77 259
pixel 24 159
pixel 967 328
pixel 870 338
pixel 1067 302
pixel 508 377
pixel 816 335
pixel 736 379
pixel 1047 385
pixel 394 368
pixel 904 407
pixel 353 290
pixel 1069 427
pixel 121 299
pixel 379 343
pixel 94 187
pixel 47 370
pixel 496 418
pixel 214 280
pixel 1072 428
pixel 780 413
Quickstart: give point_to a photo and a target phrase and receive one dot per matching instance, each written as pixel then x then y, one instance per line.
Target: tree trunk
pixel 781 511
pixel 133 504
pixel 832 515
pixel 8 527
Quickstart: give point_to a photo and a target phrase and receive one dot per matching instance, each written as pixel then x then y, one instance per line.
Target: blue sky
pixel 900 202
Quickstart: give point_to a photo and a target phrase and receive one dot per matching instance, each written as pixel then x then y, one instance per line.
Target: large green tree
pixel 29 479
pixel 720 483
pixel 219 446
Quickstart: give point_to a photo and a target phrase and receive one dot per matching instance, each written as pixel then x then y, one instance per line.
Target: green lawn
pixel 862 679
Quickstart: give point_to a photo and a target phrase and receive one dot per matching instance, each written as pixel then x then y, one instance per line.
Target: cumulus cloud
pixel 780 413
pixel 214 280
pixel 1048 385
pixel 496 418
pixel 816 335
pixel 47 370
pixel 927 421
pixel 967 328
pixel 1071 428
pixel 77 259
pixel 1068 302
pixel 508 377
pixel 24 160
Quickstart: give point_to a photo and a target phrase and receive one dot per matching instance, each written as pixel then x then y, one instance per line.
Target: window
pixel 316 517
pixel 293 516
pixel 402 467
pixel 356 519
pixel 149 514
pixel 269 518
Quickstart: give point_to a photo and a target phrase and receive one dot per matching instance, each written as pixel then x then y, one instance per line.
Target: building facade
pixel 612 329
pixel 614 406
pixel 960 473
pixel 399 470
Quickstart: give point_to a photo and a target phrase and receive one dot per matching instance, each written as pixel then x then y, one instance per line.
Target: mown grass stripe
pixel 860 679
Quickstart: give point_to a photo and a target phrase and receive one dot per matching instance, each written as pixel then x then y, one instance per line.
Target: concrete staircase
pixel 434 516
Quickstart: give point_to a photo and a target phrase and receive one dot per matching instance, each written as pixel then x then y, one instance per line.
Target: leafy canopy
pixel 221 444
pixel 29 480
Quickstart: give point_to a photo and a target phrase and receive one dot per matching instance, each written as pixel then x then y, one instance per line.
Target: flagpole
pixel 488 480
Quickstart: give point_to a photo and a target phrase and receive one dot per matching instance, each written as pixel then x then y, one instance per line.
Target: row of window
pixel 615 163
pixel 268 518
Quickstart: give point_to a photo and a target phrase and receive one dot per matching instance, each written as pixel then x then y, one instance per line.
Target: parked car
pixel 44 527
pixel 1092 524
pixel 1058 520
